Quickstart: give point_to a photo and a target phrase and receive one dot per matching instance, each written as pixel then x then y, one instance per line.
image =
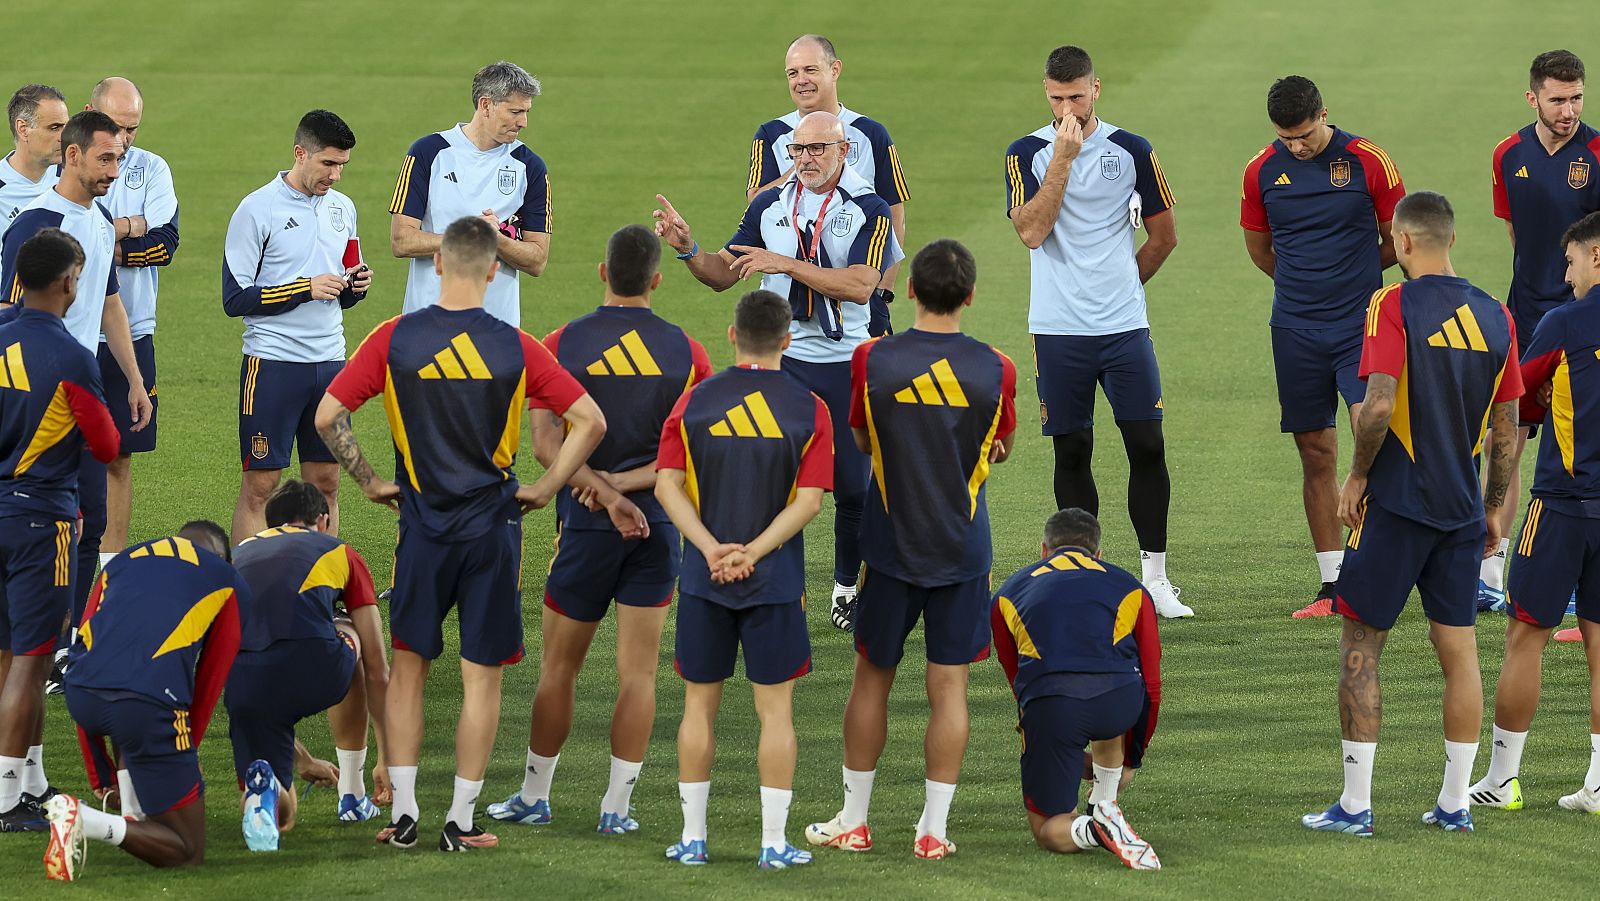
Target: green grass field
pixel 646 98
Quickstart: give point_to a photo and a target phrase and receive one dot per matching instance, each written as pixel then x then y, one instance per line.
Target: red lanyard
pixel 816 234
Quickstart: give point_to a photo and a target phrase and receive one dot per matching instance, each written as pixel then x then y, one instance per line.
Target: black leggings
pixel 1149 487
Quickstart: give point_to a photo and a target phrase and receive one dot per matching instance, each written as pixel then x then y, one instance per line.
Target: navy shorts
pixel 1315 367
pixel 153 738
pixel 278 408
pixel 831 382
pixel 36 565
pixel 955 619
pixel 116 389
pixel 1055 731
pixel 1386 555
pixel 271 690
pixel 777 646
pixel 1067 368
pixel 481 578
pixel 1555 554
pixel 591 567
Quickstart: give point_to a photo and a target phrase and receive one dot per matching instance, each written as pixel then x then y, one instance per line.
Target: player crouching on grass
pixel 1077 639
pixel 745 458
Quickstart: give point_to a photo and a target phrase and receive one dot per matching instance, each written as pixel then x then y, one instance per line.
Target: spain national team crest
pixel 1339 173
pixel 134 178
pixel 1578 174
pixel 258 446
pixel 853 155
pixel 336 217
pixel 1110 167
pixel 508 180
pixel 840 224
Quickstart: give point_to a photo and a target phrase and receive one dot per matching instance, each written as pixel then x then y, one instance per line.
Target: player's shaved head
pixel 943 275
pixel 1072 527
pixel 295 501
pixel 1554 65
pixel 818 41
pixel 1067 64
pixel 761 321
pixel 208 535
pixel 115 90
pixel 632 257
pixel 818 127
pixel 1427 217
pixel 467 249
pixel 47 256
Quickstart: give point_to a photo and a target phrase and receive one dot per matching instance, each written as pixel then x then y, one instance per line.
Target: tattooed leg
pixel 1360 701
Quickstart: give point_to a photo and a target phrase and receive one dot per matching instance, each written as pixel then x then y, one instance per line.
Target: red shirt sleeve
pixel 1252 212
pixel 858 384
pixel 552 341
pixel 216 659
pixel 1511 385
pixel 358 592
pixel 672 454
pixel 1502 201
pixel 1383 349
pixel 1148 638
pixel 1383 177
pixel 94 597
pixel 549 386
pixel 1008 398
pixel 816 467
pixel 363 376
pixel 94 421
pixel 702 362
pixel 1005 644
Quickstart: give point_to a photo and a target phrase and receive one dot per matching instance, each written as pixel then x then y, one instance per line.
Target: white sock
pixel 1106 780
pixel 536 778
pixel 1592 781
pixel 1082 835
pixel 101 826
pixel 1154 566
pixel 775 817
pixel 935 808
pixel 404 780
pixel 33 778
pixel 1492 572
pixel 352 772
pixel 1505 756
pixel 11 781
pixel 1328 564
pixel 128 797
pixel 107 557
pixel 619 793
pixel 1459 756
pixel 1357 775
pixel 463 801
pixel 857 796
pixel 692 798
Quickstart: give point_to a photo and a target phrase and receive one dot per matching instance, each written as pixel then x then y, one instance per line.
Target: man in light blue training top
pixel 36 113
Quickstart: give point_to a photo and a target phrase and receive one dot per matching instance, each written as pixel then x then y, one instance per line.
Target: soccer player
pixel 812 69
pixel 1316 211
pixel 934 409
pixel 822 240
pixel 312 618
pixel 51 409
pixel 1545 179
pixel 36 113
pixel 620 545
pixel 1440 360
pixel 150 661
pixel 744 462
pixel 1076 191
pixel 144 209
pixel 454 381
pixel 1556 554
pixel 477 168
pixel 1077 639
pixel 291 267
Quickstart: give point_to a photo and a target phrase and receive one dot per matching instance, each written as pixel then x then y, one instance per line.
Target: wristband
pixel 692 252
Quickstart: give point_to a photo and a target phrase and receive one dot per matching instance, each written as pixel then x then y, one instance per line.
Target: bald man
pixel 823 240
pixel 144 210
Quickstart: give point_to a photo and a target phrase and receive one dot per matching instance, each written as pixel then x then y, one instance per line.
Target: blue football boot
pixel 356 810
pixel 1460 821
pixel 616 824
pixel 1335 819
pixel 260 807
pixel 515 810
pixel 692 854
pixel 790 856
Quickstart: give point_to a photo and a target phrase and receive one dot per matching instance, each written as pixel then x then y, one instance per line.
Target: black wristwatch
pixel 884 294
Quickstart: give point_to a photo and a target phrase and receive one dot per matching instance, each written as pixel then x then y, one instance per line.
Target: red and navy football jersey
pixel 1323 214
pixel 1565 351
pixel 1453 349
pixel 51 407
pixel 454 384
pixel 747 440
pixel 934 404
pixel 162 622
pixel 1541 194
pixel 635 365
pixel 296 576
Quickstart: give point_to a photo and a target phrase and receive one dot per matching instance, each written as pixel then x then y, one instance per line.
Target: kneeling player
pixel 297 658
pixel 745 458
pixel 1077 638
pixel 158 637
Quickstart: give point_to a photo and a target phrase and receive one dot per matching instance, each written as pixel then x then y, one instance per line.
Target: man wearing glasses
pixel 822 239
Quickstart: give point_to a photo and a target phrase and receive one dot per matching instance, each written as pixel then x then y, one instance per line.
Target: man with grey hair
pixel 477 168
pixel 144 210
pixel 36 113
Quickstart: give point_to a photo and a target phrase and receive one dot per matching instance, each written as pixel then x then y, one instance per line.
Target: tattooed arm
pixel 333 424
pixel 1372 425
pixel 1502 461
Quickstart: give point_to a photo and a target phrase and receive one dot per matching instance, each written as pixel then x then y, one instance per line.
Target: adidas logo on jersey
pixel 1460 332
pixel 1521 173
pixel 460 360
pixel 751 419
pixel 12 373
pixel 451 177
pixel 292 224
pixel 628 356
pixel 923 388
pixel 1283 179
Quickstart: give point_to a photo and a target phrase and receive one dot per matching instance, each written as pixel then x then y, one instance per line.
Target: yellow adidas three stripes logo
pixel 1460 332
pixel 628 356
pixel 936 388
pixel 12 373
pixel 460 360
pixel 751 419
